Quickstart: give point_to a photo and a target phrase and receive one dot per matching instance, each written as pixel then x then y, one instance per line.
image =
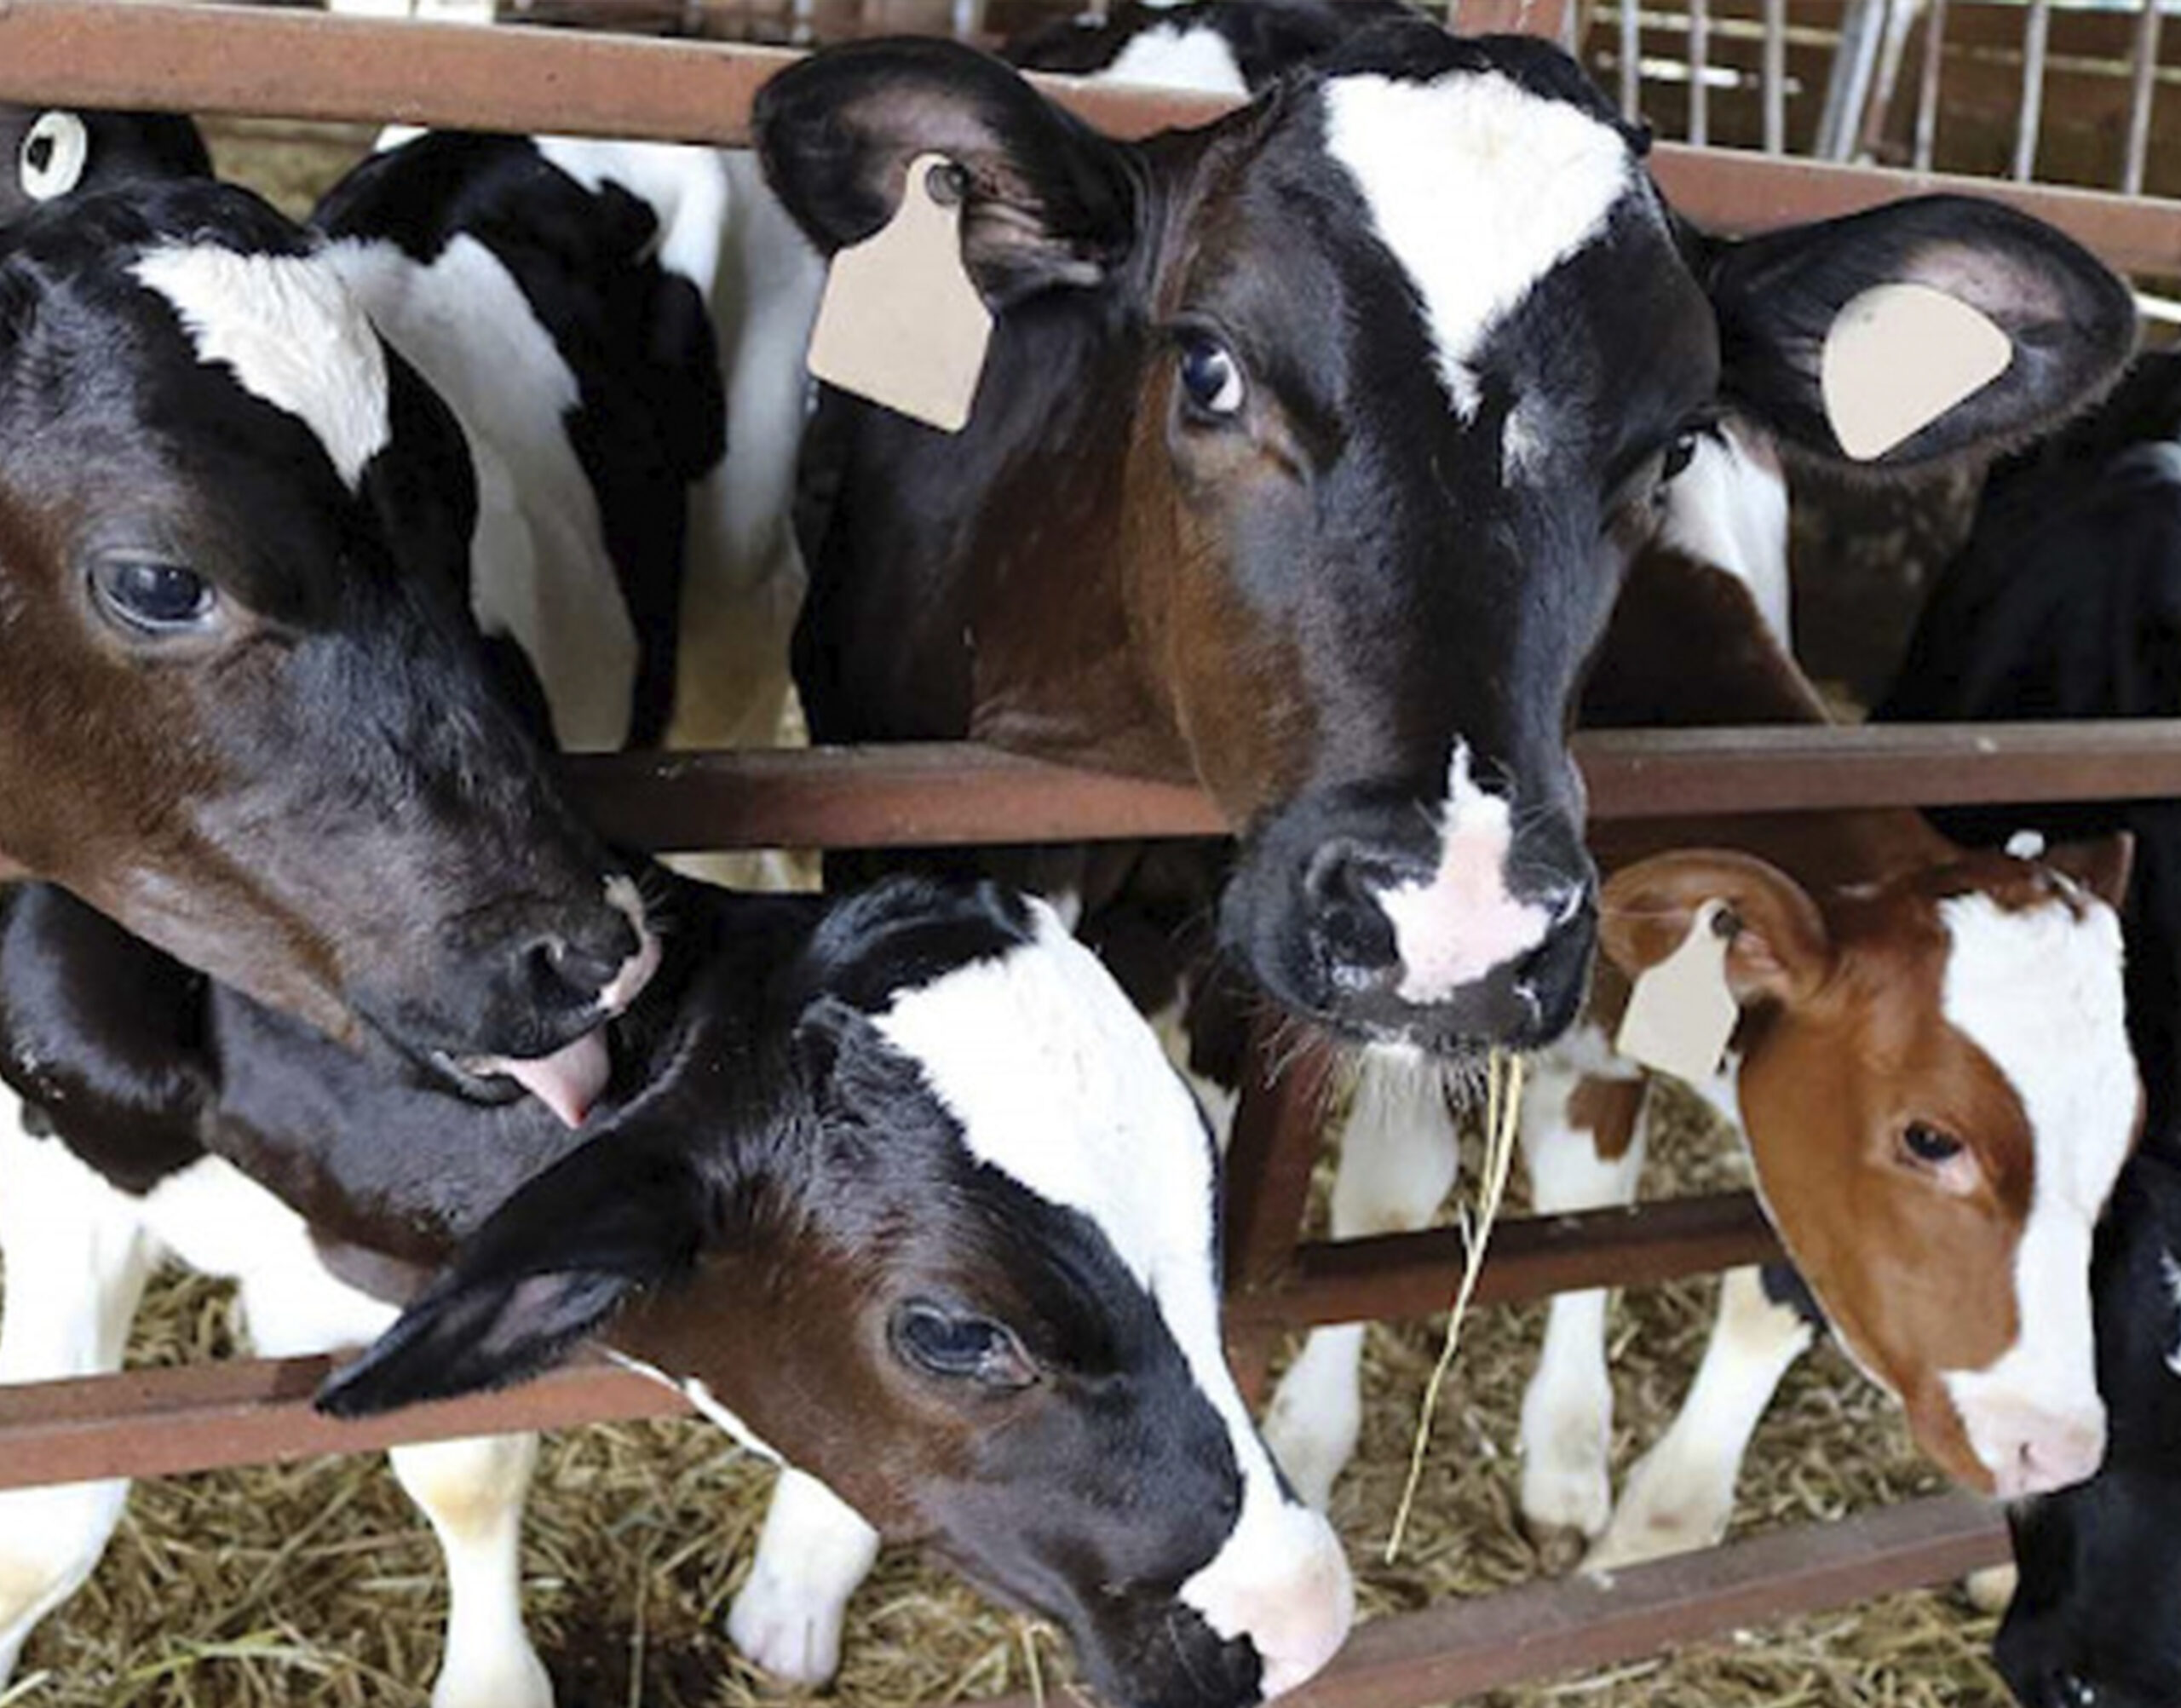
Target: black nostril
pixel 584 964
pixel 1342 882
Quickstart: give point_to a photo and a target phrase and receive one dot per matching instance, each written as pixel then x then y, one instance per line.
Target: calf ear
pixel 1049 201
pixel 1780 947
pixel 2100 866
pixel 552 1264
pixel 2069 323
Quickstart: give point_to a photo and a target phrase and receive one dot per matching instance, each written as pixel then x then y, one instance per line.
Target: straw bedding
pixel 316 1584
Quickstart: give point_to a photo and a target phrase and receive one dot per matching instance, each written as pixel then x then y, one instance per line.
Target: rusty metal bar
pixel 1631 60
pixel 2036 36
pixel 1927 86
pixel 1775 77
pixel 1462 1649
pixel 2142 94
pixel 1389 1276
pixel 207 1416
pixel 159 1423
pixel 943 795
pixel 1699 64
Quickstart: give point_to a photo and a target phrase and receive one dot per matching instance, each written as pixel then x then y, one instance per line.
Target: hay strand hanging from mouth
pixel 1502 1108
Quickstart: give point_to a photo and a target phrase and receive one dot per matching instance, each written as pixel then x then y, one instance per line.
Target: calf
pixel 1310 447
pixel 2092 1622
pixel 231 534
pixel 974 1292
pixel 1933 1079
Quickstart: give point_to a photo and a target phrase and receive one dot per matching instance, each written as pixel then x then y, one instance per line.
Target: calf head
pixel 56 152
pixel 1937 1088
pixel 944 1234
pixel 1310 450
pixel 241 708
pixel 2093 1622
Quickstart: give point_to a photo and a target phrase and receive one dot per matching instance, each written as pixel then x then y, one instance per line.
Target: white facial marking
pixel 288 329
pixel 2039 992
pixel 1479 188
pixel 1454 928
pixel 1728 508
pixel 623 895
pixel 1176 56
pixel 1080 1106
pixel 540 570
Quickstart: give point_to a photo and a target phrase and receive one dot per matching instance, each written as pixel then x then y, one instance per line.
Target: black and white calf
pixel 973 1290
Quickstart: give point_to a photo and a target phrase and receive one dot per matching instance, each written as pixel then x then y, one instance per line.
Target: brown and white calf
pixel 1931 1074
pixel 972 1288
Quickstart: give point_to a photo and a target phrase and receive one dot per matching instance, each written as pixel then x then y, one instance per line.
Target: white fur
pixel 1455 927
pixel 813 1552
pixel 1680 1495
pixel 2039 992
pixel 290 334
pixel 1479 188
pixel 1399 1154
pixel 2172 1271
pixel 1177 55
pixel 626 984
pixel 686 187
pixel 472 1492
pixel 540 569
pixel 1728 508
pixel 1081 1107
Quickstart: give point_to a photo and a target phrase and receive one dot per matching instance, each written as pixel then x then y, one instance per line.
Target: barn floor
pixel 316 1584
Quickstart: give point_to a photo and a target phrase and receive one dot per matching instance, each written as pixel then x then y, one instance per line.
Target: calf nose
pixel 603 957
pixel 1282 1581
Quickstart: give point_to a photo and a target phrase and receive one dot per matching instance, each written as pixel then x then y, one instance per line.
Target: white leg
pixel 1398 1158
pixel 1681 1494
pixel 1582 1102
pixel 812 1554
pixel 78 1257
pixel 473 1492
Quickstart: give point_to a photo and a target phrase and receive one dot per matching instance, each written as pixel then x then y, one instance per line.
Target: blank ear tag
pixel 901 323
pixel 1899 356
pixel 1681 1012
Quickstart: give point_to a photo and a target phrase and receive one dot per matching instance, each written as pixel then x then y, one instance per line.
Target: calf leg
pixel 1681 1494
pixel 473 1492
pixel 1398 1158
pixel 77 1255
pixel 1582 1136
pixel 814 1551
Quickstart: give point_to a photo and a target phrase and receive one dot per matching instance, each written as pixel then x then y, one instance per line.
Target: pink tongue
pixel 567 1082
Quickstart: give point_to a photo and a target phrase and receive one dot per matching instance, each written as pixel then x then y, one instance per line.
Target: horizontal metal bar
pixel 1461 1649
pixel 208 1417
pixel 944 794
pixel 1390 1276
pixel 158 1422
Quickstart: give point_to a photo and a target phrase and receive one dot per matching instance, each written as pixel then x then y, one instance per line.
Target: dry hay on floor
pixel 316 1585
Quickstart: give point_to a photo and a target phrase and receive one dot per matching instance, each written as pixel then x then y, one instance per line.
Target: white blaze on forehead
pixel 1454 926
pixel 1479 188
pixel 1728 508
pixel 287 328
pixel 2039 990
pixel 1058 1084
pixel 1176 56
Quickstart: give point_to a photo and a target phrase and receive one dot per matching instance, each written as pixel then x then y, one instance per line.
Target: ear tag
pixel 901 323
pixel 1899 356
pixel 1681 1012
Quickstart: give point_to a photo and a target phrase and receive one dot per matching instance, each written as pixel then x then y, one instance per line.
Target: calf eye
pixel 1929 1144
pixel 54 151
pixel 953 1343
pixel 1212 379
pixel 153 598
pixel 1679 455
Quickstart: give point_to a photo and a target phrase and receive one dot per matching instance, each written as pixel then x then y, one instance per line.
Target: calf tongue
pixel 567 1082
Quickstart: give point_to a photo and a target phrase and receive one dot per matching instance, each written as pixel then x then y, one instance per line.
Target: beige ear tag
pixel 1899 356
pixel 901 323
pixel 1681 1012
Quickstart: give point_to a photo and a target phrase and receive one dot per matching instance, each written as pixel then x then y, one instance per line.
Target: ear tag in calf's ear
pixel 901 323
pixel 1681 1012
pixel 1899 356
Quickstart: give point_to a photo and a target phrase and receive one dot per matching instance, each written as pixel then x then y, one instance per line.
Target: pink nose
pixel 2049 1453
